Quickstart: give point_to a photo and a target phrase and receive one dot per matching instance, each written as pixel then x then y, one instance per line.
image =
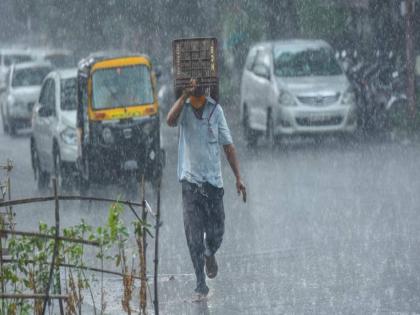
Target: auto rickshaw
pixel 118 121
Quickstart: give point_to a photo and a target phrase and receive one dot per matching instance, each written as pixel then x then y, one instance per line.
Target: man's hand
pixel 230 152
pixel 175 111
pixel 241 189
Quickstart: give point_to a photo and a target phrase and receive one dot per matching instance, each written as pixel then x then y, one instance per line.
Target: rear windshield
pixel 29 76
pixel 309 62
pixel 11 59
pixel 121 87
pixel 61 61
pixel 68 94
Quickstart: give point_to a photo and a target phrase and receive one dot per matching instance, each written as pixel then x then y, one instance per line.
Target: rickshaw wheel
pixel 84 186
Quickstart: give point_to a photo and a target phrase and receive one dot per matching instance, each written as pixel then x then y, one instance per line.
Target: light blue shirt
pixel 199 144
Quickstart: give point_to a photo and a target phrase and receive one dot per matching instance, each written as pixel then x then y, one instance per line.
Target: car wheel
pixel 34 162
pixel 11 126
pixel 250 134
pixel 132 186
pixel 157 174
pixel 271 137
pixel 3 121
pixel 270 127
pixel 398 116
pixel 84 184
pixel 61 174
pixel 42 177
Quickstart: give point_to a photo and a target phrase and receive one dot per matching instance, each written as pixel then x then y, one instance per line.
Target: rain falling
pixel 209 157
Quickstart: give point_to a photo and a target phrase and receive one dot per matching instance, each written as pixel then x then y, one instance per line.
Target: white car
pixel 54 141
pixel 293 87
pixel 9 57
pixel 59 58
pixel 22 90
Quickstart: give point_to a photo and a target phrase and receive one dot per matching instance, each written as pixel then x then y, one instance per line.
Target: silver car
pixel 295 87
pixel 8 57
pixel 23 83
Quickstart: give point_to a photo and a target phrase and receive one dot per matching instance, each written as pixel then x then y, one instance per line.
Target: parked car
pixel 293 87
pixel 23 83
pixel 59 58
pixel 54 142
pixel 9 57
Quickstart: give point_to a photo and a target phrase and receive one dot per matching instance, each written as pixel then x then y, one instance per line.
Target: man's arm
pixel 175 111
pixel 230 152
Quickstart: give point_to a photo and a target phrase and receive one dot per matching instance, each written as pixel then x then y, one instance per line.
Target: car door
pixel 51 122
pixel 3 95
pixel 44 121
pixel 247 87
pixel 6 93
pixel 261 77
pixel 36 119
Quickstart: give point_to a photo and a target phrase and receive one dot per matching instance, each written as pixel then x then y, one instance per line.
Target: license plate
pixel 130 165
pixel 127 133
pixel 317 118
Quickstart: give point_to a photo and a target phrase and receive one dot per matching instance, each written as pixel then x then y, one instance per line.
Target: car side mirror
pixel 158 72
pixel 337 55
pixel 262 71
pixel 44 111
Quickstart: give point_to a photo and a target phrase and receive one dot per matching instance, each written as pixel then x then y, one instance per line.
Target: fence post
pixel 55 250
pixel 9 213
pixel 156 260
pixel 143 283
pixel 1 265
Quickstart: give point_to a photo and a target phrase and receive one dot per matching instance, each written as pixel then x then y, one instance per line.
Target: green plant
pixel 31 256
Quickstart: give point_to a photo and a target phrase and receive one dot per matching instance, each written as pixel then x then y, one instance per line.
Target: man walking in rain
pixel 202 129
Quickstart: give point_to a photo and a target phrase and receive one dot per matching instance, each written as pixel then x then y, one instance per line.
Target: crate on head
pixel 196 58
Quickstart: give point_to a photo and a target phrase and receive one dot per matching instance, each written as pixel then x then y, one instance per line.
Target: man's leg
pixel 194 232
pixel 214 221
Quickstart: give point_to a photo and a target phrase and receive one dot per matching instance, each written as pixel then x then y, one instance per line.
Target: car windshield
pixel 29 76
pixel 68 94
pixel 120 87
pixel 16 58
pixel 309 62
pixel 61 60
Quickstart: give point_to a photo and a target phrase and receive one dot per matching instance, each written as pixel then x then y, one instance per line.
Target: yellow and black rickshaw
pixel 118 121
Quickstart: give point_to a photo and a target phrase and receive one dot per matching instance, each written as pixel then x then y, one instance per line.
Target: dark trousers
pixel 204 224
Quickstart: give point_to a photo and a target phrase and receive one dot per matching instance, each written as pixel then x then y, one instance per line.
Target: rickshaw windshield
pixel 122 87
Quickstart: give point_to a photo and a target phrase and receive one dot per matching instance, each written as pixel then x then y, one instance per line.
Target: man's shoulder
pixel 211 100
pixel 214 105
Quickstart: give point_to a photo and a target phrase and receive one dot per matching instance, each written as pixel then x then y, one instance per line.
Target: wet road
pixel 330 228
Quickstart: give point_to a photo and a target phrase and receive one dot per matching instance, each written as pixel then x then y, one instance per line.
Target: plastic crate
pixel 196 58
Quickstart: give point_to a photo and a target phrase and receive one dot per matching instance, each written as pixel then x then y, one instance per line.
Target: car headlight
pixel 10 99
pixel 107 135
pixel 287 99
pixel 349 98
pixel 69 136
